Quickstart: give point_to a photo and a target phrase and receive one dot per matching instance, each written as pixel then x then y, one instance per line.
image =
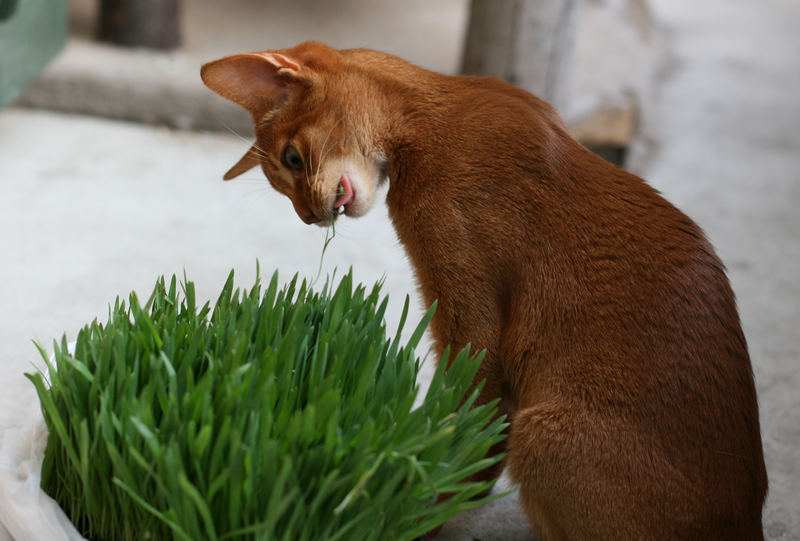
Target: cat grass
pixel 279 414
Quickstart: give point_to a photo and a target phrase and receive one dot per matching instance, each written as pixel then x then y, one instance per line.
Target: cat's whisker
pixel 257 150
pixel 324 144
pixel 254 148
pixel 252 180
pixel 256 192
pixel 309 166
pixel 255 197
pixel 261 152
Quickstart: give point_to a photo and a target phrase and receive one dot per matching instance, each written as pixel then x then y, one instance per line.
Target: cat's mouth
pixel 345 195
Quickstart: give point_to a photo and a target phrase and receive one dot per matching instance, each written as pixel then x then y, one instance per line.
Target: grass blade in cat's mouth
pixel 345 194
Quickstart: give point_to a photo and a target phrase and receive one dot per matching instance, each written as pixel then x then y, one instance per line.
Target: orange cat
pixel 611 331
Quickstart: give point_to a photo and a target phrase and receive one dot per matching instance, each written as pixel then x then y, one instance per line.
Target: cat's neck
pixel 451 201
pixel 470 138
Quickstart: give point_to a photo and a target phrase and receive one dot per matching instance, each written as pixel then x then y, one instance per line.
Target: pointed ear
pixel 248 161
pixel 252 80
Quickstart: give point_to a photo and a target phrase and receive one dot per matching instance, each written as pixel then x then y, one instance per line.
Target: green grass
pixel 280 414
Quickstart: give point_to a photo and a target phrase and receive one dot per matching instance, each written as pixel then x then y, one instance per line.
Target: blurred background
pixel 112 153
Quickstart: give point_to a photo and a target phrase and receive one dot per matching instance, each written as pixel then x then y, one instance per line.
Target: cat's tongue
pixel 346 193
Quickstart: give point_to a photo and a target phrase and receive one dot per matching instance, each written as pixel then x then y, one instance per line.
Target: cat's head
pixel 314 139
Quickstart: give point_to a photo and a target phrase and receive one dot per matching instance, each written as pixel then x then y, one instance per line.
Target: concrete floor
pixel 90 209
pixel 730 157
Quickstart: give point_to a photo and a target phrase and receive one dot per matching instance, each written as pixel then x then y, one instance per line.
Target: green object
pixel 284 414
pixel 31 33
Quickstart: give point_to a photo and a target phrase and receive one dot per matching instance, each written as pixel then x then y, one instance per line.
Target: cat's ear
pixel 253 80
pixel 247 162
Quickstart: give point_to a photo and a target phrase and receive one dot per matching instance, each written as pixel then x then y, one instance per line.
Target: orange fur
pixel 611 331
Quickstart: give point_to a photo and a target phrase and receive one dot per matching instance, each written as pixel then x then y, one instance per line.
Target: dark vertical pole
pixel 140 23
pixel 7 9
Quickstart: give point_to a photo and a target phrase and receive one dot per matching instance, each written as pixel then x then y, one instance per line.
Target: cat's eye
pixel 291 158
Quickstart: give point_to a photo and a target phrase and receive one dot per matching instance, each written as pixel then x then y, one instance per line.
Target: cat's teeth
pixel 345 193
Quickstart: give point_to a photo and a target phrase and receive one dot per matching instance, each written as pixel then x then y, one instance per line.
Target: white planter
pixel 26 512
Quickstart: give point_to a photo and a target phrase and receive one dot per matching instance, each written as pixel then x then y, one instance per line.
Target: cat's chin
pixel 360 204
pixel 355 190
pixel 355 209
pixel 350 211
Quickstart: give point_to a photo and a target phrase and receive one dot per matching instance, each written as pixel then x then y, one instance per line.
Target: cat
pixel 611 332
